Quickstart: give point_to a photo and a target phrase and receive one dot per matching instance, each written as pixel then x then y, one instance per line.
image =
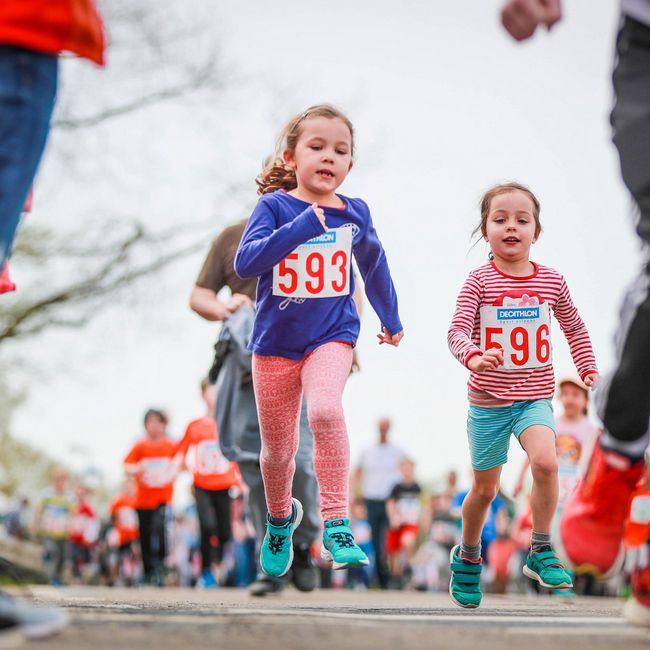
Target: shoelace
pixel 276 542
pixel 344 540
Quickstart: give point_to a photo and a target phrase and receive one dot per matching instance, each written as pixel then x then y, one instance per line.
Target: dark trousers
pixel 213 508
pixel 378 520
pixel 625 398
pixel 153 539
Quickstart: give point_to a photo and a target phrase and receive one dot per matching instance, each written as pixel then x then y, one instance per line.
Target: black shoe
pixel 265 585
pixel 304 574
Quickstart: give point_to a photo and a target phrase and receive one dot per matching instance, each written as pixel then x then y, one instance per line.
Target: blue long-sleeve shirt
pixel 292 328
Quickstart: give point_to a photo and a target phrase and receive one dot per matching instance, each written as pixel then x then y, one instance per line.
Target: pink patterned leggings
pixel 279 384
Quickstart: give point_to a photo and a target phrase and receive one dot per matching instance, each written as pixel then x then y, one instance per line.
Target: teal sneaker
pixel 276 554
pixel 544 566
pixel 465 583
pixel 339 546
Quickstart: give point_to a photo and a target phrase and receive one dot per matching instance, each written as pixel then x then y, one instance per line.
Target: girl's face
pixel 322 157
pixel 510 227
pixel 573 400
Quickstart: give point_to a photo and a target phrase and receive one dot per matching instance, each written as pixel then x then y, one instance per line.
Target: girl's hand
pixel 320 214
pixel 491 359
pixel 391 339
pixel 591 380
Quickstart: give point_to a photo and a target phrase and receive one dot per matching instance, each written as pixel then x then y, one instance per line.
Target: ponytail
pixel 276 175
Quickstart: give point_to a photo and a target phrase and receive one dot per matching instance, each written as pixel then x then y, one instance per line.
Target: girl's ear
pixel 289 158
pixel 350 167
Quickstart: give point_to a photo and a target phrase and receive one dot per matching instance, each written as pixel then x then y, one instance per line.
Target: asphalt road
pixel 161 619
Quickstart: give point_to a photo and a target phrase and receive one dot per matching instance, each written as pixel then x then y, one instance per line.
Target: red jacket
pixel 52 26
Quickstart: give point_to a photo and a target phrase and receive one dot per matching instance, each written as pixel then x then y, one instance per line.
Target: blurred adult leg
pixel 28 83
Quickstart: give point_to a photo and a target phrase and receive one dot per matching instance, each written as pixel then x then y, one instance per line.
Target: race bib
pixel 55 520
pixel 156 472
pixel 319 268
pixel 524 334
pixel 209 459
pixel 127 518
pixel 408 510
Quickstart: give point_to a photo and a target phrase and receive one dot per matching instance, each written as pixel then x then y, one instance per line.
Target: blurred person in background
pixel 150 462
pixel 374 478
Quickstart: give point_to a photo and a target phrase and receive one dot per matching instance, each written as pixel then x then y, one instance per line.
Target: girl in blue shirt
pixel 298 243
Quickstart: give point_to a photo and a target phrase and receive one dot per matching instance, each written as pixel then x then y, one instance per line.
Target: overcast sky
pixel 444 105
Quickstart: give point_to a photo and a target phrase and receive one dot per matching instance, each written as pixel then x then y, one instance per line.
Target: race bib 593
pixel 523 332
pixel 319 268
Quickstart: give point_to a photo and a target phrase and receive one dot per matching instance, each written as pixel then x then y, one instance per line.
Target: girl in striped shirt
pixel 501 332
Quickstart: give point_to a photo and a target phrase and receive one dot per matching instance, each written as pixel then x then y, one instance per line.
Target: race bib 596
pixel 319 268
pixel 523 332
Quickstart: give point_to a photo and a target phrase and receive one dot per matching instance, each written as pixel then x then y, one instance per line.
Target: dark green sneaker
pixel 544 566
pixel 465 583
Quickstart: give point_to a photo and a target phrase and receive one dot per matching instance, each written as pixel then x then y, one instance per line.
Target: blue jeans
pixel 28 82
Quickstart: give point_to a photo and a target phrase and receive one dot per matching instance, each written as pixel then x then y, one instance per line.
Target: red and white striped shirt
pixel 488 285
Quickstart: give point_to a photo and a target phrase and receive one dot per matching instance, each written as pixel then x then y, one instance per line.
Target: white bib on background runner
pixel 319 268
pixel 524 334
pixel 209 459
pixel 156 472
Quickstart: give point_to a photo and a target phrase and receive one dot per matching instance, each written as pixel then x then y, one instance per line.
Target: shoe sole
pixel 529 573
pixel 328 557
pixel 456 602
pixel 296 523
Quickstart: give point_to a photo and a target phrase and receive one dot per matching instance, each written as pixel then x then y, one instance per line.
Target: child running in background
pixel 84 532
pixel 575 439
pixel 150 462
pixel 299 242
pixel 404 511
pixel 52 523
pixel 124 534
pixel 213 476
pixel 501 332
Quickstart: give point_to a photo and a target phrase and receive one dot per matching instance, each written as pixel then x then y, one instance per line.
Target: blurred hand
pixel 490 360
pixel 591 380
pixel 391 339
pixel 236 301
pixel 320 214
pixel 522 17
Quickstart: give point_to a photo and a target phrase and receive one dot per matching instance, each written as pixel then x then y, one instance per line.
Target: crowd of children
pixel 85 544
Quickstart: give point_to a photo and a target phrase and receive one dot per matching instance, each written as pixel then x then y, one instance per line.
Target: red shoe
pixel 593 520
pixel 637 608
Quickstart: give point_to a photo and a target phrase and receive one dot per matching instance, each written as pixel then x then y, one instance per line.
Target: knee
pixel 277 455
pixel 485 492
pixel 325 415
pixel 544 468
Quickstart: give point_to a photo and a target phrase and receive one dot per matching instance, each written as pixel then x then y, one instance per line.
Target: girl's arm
pixel 380 290
pixel 459 336
pixel 263 245
pixel 576 334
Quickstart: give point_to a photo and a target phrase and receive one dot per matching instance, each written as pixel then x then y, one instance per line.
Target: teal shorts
pixel 489 429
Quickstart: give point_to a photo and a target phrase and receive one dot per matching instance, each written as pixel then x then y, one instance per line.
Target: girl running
pixel 298 242
pixel 501 332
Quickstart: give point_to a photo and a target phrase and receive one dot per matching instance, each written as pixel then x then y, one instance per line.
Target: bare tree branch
pixel 200 81
pixel 28 319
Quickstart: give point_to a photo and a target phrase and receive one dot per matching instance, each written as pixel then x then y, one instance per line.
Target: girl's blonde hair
pixel 504 188
pixel 276 173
